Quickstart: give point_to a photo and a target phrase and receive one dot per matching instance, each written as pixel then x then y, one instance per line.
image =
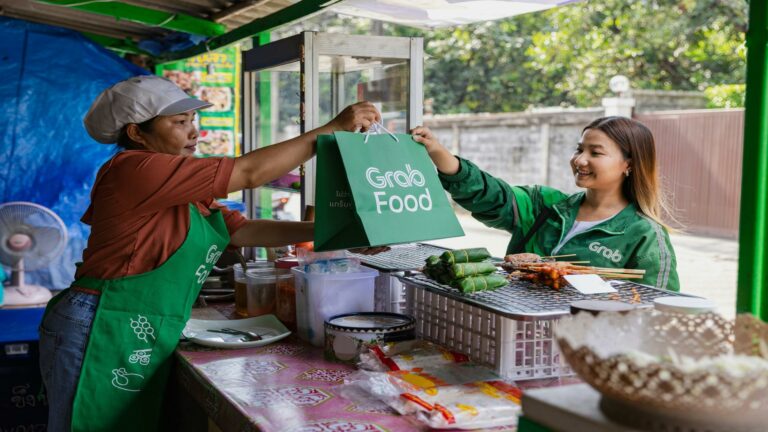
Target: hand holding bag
pixel 375 190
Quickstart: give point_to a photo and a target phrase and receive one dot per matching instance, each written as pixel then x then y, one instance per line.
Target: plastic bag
pixel 468 406
pixel 327 262
pixel 449 396
pixel 408 355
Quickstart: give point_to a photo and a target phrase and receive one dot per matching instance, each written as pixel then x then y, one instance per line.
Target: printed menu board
pixel 213 77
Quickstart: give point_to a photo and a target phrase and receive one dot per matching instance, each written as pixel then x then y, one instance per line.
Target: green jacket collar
pixel 568 209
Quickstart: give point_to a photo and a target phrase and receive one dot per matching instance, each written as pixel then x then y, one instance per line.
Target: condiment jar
pixel 241 297
pixel 261 289
pixel 285 308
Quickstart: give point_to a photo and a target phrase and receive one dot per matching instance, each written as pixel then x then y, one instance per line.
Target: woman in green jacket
pixel 615 223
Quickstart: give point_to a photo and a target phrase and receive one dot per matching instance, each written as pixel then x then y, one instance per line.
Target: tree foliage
pixel 567 55
pixel 660 45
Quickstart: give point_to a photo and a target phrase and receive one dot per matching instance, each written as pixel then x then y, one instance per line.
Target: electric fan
pixel 31 236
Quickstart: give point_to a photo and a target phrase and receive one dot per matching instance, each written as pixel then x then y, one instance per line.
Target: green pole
pixel 265 125
pixel 753 225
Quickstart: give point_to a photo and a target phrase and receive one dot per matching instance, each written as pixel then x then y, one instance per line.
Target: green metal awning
pixel 210 24
pixel 124 25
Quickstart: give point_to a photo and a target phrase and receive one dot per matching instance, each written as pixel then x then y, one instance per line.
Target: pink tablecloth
pixel 284 387
pixel 287 387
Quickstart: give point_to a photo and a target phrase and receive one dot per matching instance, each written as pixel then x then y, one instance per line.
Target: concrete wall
pixel 532 147
pixel 535 146
pixel 663 100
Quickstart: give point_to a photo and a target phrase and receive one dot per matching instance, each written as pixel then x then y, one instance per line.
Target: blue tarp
pixel 50 77
pixel 20 324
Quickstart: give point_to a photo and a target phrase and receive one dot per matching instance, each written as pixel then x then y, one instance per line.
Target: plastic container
pixel 348 335
pixel 285 308
pixel 596 307
pixel 684 305
pixel 320 296
pixel 261 289
pixel 241 297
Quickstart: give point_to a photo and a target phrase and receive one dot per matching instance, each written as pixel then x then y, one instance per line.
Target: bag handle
pixel 377 128
pixel 545 214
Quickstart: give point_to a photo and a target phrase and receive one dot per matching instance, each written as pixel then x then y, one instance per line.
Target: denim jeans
pixel 63 339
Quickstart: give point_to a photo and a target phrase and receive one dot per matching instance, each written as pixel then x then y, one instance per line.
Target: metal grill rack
pixel 521 300
pixel 401 257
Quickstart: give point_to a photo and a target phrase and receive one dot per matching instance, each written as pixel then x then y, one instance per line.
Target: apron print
pixel 211 257
pixel 142 328
pixel 142 356
pixel 124 380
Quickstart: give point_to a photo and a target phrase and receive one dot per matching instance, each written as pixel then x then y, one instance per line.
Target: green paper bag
pixel 378 192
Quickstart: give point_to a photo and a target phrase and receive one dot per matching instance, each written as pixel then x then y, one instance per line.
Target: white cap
pixel 684 305
pixel 136 100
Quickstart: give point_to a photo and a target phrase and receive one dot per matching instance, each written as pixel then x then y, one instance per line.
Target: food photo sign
pixel 212 77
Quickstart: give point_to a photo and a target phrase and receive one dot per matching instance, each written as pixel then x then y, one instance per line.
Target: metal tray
pixel 401 257
pixel 525 300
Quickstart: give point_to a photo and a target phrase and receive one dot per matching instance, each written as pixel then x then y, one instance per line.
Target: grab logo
pixel 391 202
pixel 213 254
pixel 613 255
pixel 211 257
pixel 409 177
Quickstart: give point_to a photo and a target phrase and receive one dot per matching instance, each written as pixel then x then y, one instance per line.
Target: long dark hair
pixel 643 186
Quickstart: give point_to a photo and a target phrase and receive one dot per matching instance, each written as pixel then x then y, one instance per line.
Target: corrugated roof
pixel 123 25
pixel 223 16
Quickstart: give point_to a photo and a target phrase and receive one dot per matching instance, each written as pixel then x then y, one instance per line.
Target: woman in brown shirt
pixel 145 203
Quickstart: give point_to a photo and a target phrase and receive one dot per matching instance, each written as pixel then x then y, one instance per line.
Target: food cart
pixel 510 330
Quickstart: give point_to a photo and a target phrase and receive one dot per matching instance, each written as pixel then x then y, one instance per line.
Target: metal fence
pixel 700 158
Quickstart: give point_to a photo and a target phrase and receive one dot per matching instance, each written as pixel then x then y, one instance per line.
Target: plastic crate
pixel 400 259
pixel 515 349
pixel 389 293
pixel 510 329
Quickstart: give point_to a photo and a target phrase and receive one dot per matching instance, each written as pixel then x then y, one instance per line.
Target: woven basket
pixel 671 372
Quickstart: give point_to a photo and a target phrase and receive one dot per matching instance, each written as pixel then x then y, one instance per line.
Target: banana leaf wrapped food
pixel 472 269
pixel 464 269
pixel 441 275
pixel 437 270
pixel 473 284
pixel 434 267
pixel 433 260
pixel 465 255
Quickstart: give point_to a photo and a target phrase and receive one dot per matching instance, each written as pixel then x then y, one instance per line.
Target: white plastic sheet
pixel 441 13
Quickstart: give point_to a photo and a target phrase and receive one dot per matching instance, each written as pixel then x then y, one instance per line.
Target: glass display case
pixel 296 84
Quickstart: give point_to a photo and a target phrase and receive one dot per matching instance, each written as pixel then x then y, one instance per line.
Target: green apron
pixel 136 329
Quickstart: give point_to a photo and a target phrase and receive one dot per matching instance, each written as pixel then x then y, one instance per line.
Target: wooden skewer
pixel 615 270
pixel 611 273
pixel 558 256
pixel 607 269
pixel 620 276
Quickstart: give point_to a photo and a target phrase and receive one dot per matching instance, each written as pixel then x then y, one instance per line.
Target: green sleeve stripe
pixel 524 207
pixel 665 257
